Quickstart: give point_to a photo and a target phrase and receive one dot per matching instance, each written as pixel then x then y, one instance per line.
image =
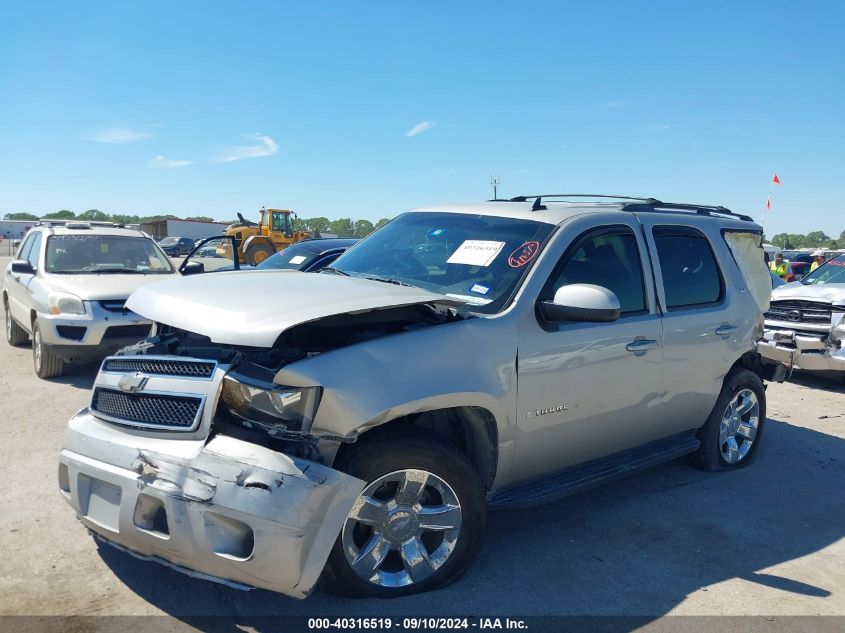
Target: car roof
pixel 94 230
pixel 553 212
pixel 321 245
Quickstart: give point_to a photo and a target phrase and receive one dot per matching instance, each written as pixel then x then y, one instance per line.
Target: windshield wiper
pixel 334 271
pixel 388 280
pixel 117 271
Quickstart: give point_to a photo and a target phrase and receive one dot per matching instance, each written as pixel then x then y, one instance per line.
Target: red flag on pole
pixel 776 180
pixel 768 203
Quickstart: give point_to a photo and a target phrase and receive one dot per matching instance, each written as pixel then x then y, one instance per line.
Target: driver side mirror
pixel 585 303
pixel 22 267
pixel 193 268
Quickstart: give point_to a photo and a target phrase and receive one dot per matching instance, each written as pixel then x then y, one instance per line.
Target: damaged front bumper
pixel 816 349
pixel 225 509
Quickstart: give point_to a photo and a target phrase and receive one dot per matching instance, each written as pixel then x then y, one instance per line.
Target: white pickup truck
pixel 805 323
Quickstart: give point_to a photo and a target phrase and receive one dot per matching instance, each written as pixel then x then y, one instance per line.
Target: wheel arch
pixel 752 361
pixel 257 239
pixel 470 429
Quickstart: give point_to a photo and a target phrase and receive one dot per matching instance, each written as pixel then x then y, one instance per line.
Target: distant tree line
pixel 815 239
pixel 343 227
pixel 93 215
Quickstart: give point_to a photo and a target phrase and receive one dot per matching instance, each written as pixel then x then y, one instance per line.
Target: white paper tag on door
pixel 476 253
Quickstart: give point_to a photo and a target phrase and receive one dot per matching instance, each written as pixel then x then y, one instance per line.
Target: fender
pixel 466 363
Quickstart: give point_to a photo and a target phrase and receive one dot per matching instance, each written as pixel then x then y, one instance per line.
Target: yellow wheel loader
pixel 256 242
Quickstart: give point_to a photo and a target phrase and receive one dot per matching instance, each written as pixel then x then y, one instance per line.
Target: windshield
pixel 831 272
pixel 481 259
pixel 292 258
pixel 169 241
pixel 89 254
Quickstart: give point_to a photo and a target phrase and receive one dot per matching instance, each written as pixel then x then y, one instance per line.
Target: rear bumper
pixel 224 510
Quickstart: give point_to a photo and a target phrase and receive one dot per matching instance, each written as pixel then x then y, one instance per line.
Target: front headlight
pixel 269 407
pixel 64 303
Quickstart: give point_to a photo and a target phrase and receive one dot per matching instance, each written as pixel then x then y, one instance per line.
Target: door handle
pixel 641 345
pixel 725 330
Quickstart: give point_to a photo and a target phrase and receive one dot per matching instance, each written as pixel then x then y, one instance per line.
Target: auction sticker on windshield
pixel 523 254
pixel 298 259
pixel 476 253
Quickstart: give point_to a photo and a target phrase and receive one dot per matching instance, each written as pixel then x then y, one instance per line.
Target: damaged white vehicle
pixel 805 325
pixel 354 425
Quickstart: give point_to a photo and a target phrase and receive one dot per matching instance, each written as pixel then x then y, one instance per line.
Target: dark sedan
pixel 215 255
pixel 177 246
pixel 308 255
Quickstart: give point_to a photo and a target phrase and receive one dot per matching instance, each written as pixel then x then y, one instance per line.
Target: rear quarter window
pixel 691 275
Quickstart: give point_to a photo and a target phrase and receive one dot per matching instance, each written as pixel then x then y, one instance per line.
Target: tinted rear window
pixel 690 273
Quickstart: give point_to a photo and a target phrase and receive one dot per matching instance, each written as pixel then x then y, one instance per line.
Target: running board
pixel 579 478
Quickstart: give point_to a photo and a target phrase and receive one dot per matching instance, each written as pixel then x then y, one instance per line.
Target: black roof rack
pixel 700 209
pixel 578 195
pixel 635 204
pixel 538 199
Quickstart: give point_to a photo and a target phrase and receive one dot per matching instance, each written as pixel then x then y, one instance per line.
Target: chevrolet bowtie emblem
pixel 131 383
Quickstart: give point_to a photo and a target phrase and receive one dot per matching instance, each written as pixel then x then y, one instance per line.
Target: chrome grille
pixel 160 366
pixel 147 409
pixel 800 312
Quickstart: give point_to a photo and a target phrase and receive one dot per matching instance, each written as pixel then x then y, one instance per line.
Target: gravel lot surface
pixel 766 540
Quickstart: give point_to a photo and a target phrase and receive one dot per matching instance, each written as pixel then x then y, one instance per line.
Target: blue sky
pixel 212 107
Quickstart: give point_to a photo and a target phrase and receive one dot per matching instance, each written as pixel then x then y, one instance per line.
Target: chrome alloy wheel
pixel 740 422
pixel 402 528
pixel 36 347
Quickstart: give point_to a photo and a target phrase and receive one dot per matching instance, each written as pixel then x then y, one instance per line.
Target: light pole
pixel 495 181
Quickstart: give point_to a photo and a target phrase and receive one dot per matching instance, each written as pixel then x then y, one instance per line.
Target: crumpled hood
pixel 834 293
pixel 100 287
pixel 252 308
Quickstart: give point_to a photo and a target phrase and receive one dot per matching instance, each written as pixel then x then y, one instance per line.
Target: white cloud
pixel 160 162
pixel 615 104
pixel 119 135
pixel 261 146
pixel 419 128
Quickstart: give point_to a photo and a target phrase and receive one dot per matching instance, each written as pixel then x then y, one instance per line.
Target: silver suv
pixel 67 287
pixel 354 425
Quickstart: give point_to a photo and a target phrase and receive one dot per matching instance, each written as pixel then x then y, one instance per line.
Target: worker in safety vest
pixel 778 266
pixel 818 260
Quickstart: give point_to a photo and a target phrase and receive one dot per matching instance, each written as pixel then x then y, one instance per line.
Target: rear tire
pixel 15 334
pixel 257 253
pixel 731 436
pixel 417 525
pixel 45 362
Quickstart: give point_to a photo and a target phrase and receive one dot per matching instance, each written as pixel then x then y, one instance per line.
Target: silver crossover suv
pixel 67 290
pixel 354 425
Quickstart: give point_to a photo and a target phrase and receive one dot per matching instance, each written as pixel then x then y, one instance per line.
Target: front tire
pixel 257 253
pixel 416 526
pixel 45 362
pixel 15 334
pixel 731 436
